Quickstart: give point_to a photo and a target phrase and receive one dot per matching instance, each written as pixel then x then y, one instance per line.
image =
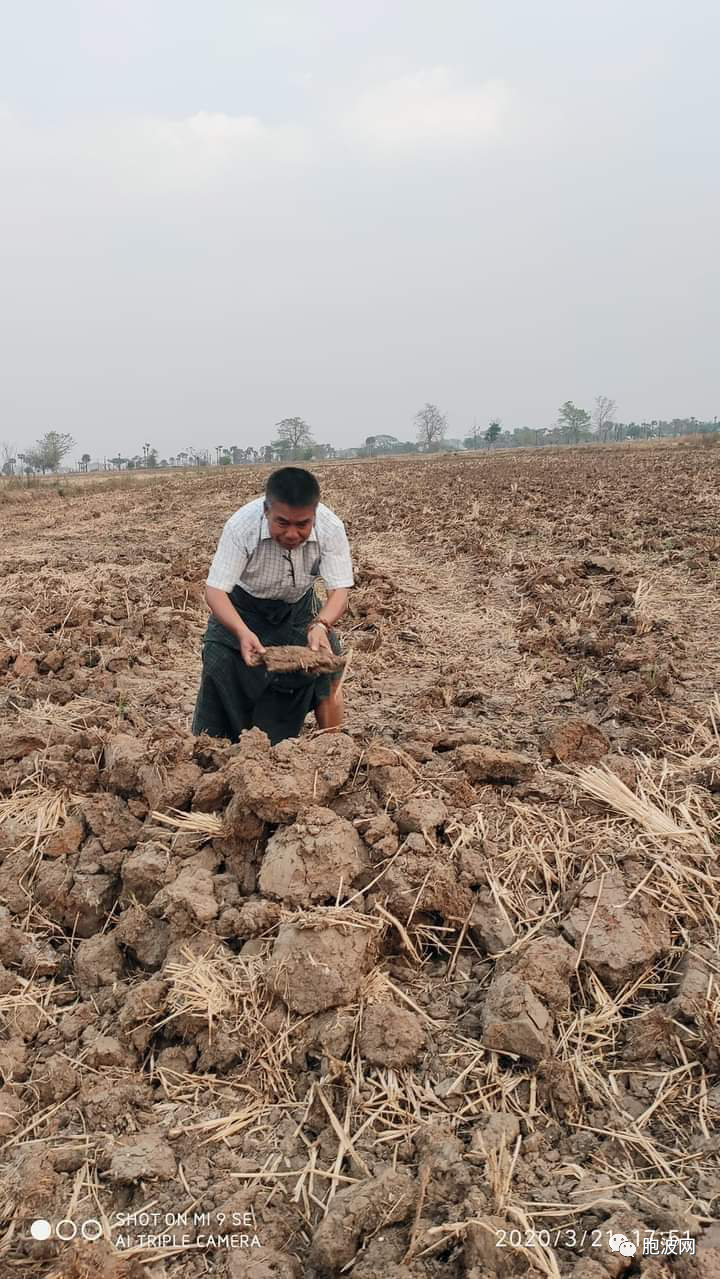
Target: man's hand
pixel 251 648
pixel 318 639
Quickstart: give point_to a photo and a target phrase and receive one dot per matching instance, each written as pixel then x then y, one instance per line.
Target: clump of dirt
pixel 98 962
pixel 391 1036
pixel 621 936
pixel 548 965
pixel 421 814
pixel 316 859
pixel 276 782
pixel 414 884
pixel 142 1157
pixel 514 1019
pixel 484 764
pixel 489 924
pixel 576 742
pixel 294 657
pixel 313 969
pixel 355 1212
pixel 123 759
pixel 189 901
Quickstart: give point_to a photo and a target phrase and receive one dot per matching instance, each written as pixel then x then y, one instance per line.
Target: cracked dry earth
pixel 434 996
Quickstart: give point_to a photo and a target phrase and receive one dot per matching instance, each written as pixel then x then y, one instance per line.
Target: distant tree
pixel 293 435
pixel 119 462
pixel 523 437
pixel 49 451
pixel 370 441
pixel 573 421
pixel 224 459
pixel 431 426
pixel 604 416
pixel 33 460
pixel 492 432
pixel 151 458
pixel 85 461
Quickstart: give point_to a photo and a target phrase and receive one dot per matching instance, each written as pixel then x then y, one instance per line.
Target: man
pixel 261 591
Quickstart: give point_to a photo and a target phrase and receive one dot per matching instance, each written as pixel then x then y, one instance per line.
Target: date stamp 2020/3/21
pixel 663 1243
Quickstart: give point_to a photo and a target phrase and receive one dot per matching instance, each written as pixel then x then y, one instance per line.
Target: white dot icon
pixel 41 1229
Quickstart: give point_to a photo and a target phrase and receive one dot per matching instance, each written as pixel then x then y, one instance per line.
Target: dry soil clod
pixel 279 658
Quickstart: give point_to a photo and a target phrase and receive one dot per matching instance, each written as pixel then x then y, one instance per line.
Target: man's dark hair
pixel 294 486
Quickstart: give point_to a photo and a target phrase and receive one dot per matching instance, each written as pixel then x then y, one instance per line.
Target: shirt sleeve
pixel 229 560
pixel 336 568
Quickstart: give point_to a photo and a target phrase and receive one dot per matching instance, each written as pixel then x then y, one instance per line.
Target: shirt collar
pixel 265 532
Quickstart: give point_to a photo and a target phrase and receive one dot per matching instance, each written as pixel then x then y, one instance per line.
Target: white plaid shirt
pixel 248 556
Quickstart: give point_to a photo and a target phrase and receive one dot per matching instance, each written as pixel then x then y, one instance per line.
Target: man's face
pixel 289 526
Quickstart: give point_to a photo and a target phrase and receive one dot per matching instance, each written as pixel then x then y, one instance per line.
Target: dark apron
pixel 234 697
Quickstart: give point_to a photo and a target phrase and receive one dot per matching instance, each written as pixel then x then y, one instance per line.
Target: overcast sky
pixel 217 213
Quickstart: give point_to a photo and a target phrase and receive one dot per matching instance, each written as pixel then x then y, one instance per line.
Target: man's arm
pixel 223 609
pixel 228 564
pixel 331 611
pixel 336 571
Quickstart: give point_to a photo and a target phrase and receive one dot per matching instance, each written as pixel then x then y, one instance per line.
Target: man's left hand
pixel 318 639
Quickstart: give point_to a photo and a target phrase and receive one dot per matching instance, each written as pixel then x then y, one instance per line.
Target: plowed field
pixel 436 996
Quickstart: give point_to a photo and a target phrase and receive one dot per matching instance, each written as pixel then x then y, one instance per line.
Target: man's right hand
pixel 251 648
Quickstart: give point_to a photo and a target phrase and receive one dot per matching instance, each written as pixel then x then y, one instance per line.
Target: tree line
pixel 294 441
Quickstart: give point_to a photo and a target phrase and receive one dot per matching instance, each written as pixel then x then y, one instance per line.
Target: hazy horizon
pixel 212 219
